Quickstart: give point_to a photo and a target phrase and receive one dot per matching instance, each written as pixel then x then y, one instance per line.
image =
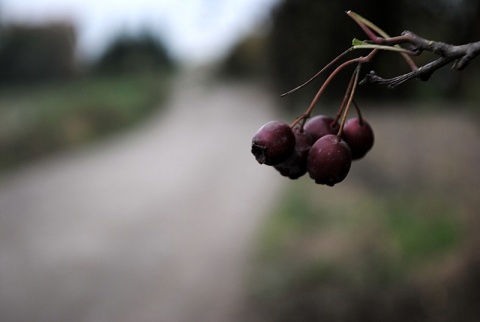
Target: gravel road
pixel 152 225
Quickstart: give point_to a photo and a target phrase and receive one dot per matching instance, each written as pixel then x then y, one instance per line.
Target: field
pixel 36 120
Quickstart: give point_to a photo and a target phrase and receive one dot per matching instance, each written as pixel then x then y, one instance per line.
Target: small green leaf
pixel 357 42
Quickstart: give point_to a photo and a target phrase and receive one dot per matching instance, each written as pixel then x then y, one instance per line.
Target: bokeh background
pixel 128 191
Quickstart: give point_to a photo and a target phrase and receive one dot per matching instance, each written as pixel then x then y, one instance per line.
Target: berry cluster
pixel 322 147
pixel 325 147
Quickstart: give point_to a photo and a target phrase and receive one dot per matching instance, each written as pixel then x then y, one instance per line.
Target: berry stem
pixel 299 120
pixel 360 60
pixel 345 99
pixel 318 73
pixel 364 45
pixel 350 99
pixel 367 26
pixel 360 118
pixel 327 81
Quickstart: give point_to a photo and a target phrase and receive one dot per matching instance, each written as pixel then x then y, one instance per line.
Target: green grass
pixel 292 218
pixel 421 228
pixel 357 242
pixel 37 120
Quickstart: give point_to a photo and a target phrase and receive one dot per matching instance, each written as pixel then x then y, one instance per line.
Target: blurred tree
pixel 37 53
pixel 306 35
pixel 144 53
pixel 455 22
pixel 246 59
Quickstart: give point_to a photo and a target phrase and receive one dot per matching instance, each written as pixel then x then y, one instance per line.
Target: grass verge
pixel 322 257
pixel 37 120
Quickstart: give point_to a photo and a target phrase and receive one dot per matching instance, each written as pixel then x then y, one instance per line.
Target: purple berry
pixel 359 136
pixel 273 143
pixel 329 160
pixel 296 165
pixel 321 125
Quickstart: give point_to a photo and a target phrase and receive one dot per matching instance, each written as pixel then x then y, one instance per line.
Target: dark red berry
pixel 329 160
pixel 321 125
pixel 359 136
pixel 296 165
pixel 273 143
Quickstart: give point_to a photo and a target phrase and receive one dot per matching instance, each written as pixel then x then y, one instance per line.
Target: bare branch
pixel 423 73
pixel 462 55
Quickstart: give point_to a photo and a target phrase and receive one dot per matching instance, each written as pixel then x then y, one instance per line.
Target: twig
pixel 462 55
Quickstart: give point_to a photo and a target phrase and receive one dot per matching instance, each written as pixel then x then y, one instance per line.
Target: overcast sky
pixel 196 30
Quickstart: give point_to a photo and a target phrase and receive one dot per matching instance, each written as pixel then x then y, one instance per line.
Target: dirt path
pixel 153 225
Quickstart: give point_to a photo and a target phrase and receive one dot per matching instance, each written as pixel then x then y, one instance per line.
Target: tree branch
pixel 462 55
